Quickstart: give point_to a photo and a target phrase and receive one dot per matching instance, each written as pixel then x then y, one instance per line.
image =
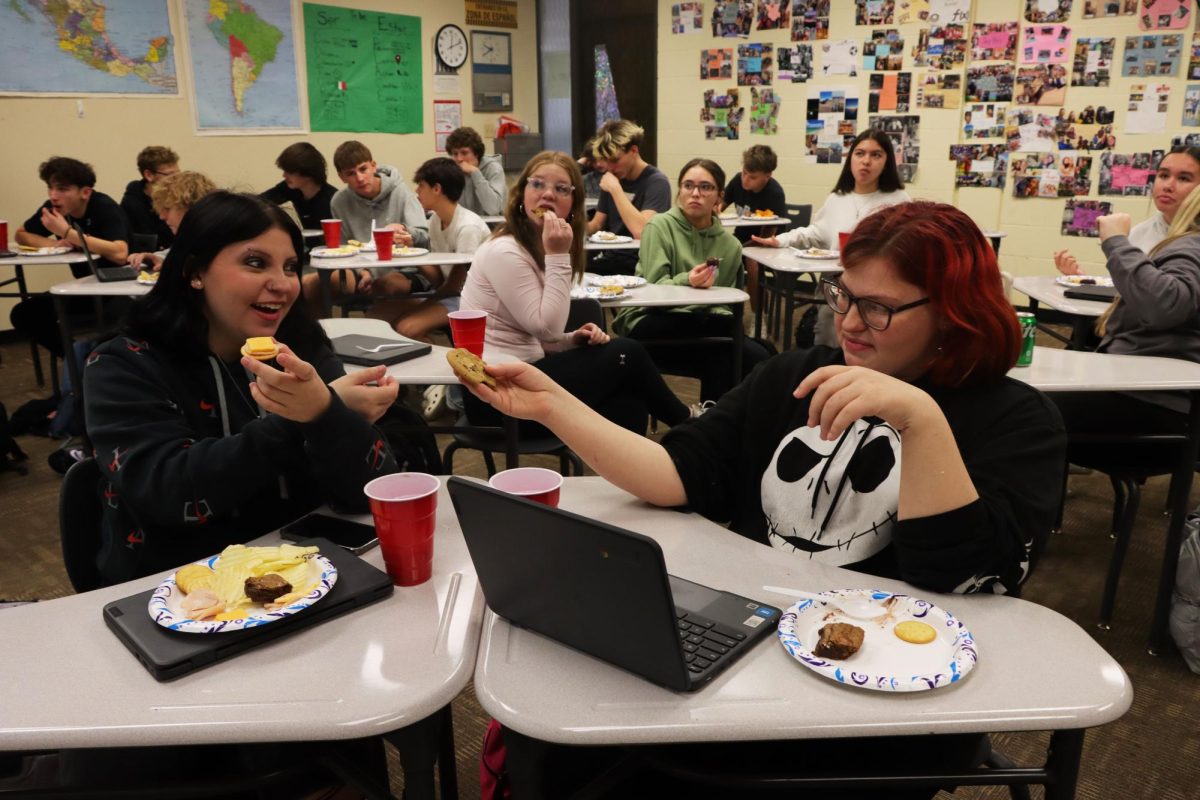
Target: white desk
pixel 325 266
pixel 549 692
pixel 787 265
pixel 753 222
pixel 1043 289
pixel 591 246
pixel 18 263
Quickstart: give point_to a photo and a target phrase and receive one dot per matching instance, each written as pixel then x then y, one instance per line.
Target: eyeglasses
pixel 560 189
pixel 687 187
pixel 875 315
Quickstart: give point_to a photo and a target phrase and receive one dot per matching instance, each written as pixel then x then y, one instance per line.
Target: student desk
pixel 1055 370
pixel 18 263
pixel 325 266
pixel 1083 313
pixel 392 667
pixel 788 265
pixel 1037 670
pixel 755 222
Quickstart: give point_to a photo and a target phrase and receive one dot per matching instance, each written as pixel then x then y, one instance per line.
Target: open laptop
pixel 602 590
pixel 1103 294
pixel 173 654
pixel 103 274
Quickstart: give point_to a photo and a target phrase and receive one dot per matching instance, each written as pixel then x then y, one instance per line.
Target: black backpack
pixel 411 440
pixel 11 454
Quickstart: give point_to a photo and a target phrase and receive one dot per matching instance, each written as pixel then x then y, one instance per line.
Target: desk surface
pixel 1056 370
pixel 73 684
pixel 1037 670
pixel 785 259
pixel 88 286
pixel 26 260
pixel 369 260
pixel 1043 289
pixel 754 222
pixel 658 295
pixel 427 369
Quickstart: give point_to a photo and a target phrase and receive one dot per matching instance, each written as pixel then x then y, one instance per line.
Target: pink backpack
pixel 493 775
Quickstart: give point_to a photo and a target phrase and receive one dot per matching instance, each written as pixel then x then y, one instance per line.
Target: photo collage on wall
pixel 1164 14
pixel 774 15
pixel 883 51
pixel 994 41
pixel 990 84
pixel 1079 217
pixel 1086 130
pixel 795 63
pixel 1048 175
pixel 1093 61
pixel 687 18
pixel 1152 56
pixel 1047 10
pixel 1127 175
pixel 810 20
pixel 1029 131
pixel 839 58
pixel 1046 44
pixel 940 90
pixel 764 111
pixel 756 64
pixel 904 133
pixel 1097 9
pixel 831 124
pixel 732 17
pixel 890 91
pixel 721 114
pixel 984 120
pixel 1191 105
pixel 1041 85
pixel 979 165
pixel 716 64
pixel 941 47
pixel 875 12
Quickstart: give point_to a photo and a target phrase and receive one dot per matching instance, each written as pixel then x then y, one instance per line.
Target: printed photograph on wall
pixel 1093 61
pixel 773 15
pixel 1079 217
pixel 1128 174
pixel 984 120
pixel 1047 175
pixel 990 84
pixel 810 20
pixel 687 18
pixel 1041 85
pixel 1093 9
pixel 904 133
pixel 732 17
pixel 1090 129
pixel 979 165
pixel 756 64
pixel 994 41
pixel 795 63
pixel 1047 10
pixel 1191 105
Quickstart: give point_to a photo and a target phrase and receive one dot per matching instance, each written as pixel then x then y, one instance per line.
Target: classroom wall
pixel 1032 225
pixel 113 130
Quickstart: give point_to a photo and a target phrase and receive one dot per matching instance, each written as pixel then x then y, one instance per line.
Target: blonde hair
pixel 518 225
pixel 180 190
pixel 616 137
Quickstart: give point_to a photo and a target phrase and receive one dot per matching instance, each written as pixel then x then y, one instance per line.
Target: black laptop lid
pixel 592 586
pixel 172 654
pixel 1103 294
pixel 347 349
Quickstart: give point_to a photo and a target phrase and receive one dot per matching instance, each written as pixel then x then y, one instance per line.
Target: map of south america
pixel 253 43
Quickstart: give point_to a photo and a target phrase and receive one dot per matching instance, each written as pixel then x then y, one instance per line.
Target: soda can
pixel 1028 337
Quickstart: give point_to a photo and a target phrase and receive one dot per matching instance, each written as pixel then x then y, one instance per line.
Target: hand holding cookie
pixel 519 390
pixel 702 276
pixel 295 391
pixel 556 234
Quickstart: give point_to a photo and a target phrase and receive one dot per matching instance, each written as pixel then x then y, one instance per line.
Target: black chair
pixel 79 514
pixel 490 440
pixel 773 290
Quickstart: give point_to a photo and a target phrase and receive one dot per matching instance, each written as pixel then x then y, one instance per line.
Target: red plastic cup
pixel 467 329
pixel 532 483
pixel 333 232
pixel 404 505
pixel 3 234
pixel 842 239
pixel 383 244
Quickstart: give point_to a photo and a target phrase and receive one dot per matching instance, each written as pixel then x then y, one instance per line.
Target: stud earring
pixel 197 284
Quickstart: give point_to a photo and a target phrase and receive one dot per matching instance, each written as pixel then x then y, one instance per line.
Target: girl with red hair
pixel 805 455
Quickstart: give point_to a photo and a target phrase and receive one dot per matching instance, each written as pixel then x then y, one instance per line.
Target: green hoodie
pixel 671 248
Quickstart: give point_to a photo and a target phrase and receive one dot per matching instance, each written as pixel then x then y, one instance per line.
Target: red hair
pixel 939 248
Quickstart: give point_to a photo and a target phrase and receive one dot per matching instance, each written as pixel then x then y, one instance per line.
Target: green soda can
pixel 1028 337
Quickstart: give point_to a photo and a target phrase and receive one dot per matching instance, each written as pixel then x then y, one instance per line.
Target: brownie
pixel 266 588
pixel 839 640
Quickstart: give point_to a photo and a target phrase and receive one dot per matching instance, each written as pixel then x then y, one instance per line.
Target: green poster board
pixel 364 70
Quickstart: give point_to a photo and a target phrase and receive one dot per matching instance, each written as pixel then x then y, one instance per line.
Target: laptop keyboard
pixel 704 642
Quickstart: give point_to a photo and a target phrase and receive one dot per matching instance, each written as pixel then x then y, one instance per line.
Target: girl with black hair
pixel 202 447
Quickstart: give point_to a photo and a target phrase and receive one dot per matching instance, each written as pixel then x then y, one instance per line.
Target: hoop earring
pixel 570 217
pixel 521 208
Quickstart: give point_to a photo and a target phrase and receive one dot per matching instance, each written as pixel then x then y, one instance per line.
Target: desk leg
pixel 1181 482
pixel 68 343
pixel 1062 763
pixel 526 764
pixel 787 284
pixel 419 746
pixel 760 296
pixel 326 294
pixel 1081 330
pixel 739 335
pixel 23 290
pixel 511 459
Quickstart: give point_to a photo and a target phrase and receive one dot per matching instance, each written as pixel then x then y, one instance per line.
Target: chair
pixel 79 514
pixel 773 292
pixel 489 441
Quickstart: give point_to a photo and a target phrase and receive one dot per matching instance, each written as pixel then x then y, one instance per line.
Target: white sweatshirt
pixel 840 214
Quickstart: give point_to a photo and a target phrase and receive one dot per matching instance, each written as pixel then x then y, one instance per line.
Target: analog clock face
pixel 452 46
pixel 492 49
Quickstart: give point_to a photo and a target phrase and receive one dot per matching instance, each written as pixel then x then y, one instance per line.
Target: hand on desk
pixel 770 241
pixel 841 395
pixel 369 402
pixel 145 261
pixel 295 392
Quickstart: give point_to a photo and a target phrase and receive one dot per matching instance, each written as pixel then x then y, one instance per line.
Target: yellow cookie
pixel 915 632
pixel 193 577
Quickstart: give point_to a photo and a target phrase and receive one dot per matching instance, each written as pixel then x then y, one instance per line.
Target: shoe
pixel 697 410
pixel 434 403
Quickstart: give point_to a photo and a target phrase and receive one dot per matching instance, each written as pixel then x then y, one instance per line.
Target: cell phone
pixel 357 537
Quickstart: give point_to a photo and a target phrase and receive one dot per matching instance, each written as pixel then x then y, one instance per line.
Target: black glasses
pixel 875 315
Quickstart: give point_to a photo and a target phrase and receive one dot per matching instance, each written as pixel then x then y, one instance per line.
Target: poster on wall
pixel 1090 129
pixel 1147 111
pixel 1109 8
pixel 756 64
pixel 1047 175
pixel 1079 217
pixel 1047 10
pixel 831 123
pixel 946 12
pixel 721 114
pixel 1191 105
pixel 687 18
pixel 990 84
pixel 810 20
pixel 795 63
pixel 716 64
pixel 890 91
pixel 984 120
pixel 356 88
pixel 1152 56
pixel 1041 85
pixel 941 47
pixel 732 17
pixel 1193 70
pixel 764 111
pixel 1129 174
pixel 1029 131
pixel 773 15
pixel 1045 44
pixel 906 142
pixel 447 117
pixel 839 58
pixel 1093 61
pixel 1164 14
pixel 911 11
pixel 940 90
pixel 994 41
pixel 875 12
pixel 883 51
pixel 979 165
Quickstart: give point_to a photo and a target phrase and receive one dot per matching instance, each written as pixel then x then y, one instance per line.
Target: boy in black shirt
pixel 303 185
pixel 754 188
pixel 154 163
pixel 632 192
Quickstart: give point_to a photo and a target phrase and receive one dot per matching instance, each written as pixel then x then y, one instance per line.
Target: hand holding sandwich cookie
pixel 294 391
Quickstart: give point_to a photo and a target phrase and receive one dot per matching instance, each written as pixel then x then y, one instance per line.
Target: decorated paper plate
pixel 166 603
pixel 885 662
pixel 624 281
pixel 43 251
pixel 408 252
pixel 600 293
pixel 817 253
pixel 604 237
pixel 1084 280
pixel 345 251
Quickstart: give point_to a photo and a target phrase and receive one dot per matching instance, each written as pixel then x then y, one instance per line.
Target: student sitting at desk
pixel 172 197
pixel 303 185
pixel 149 231
pixel 522 277
pixel 73 201
pixel 201 446
pixel 485 187
pixel 676 247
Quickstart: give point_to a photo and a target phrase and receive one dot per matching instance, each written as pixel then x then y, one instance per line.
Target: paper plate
pixel 43 251
pixel 817 254
pixel 757 218
pixel 408 252
pixel 164 606
pixel 624 281
pixel 593 293
pixel 614 240
pixel 345 251
pixel 1084 280
pixel 885 662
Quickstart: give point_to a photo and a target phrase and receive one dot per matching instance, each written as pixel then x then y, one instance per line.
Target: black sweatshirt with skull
pixel 752 462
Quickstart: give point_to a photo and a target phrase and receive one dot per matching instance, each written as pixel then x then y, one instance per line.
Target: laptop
pixel 353 349
pixel 173 654
pixel 602 590
pixel 1103 294
pixel 103 274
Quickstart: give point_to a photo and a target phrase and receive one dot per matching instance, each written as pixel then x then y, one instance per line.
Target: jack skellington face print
pixel 833 501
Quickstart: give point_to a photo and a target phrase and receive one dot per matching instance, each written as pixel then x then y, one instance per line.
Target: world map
pixel 86 46
pixel 243 63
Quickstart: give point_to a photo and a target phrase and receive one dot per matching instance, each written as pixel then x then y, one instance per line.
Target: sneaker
pixel 434 403
pixel 697 410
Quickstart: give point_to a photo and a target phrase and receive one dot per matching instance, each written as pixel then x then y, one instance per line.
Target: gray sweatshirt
pixel 394 203
pixel 486 189
pixel 1159 312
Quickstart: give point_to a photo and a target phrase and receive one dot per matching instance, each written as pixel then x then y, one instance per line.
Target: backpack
pixel 493 769
pixel 1185 600
pixel 411 440
pixel 11 454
